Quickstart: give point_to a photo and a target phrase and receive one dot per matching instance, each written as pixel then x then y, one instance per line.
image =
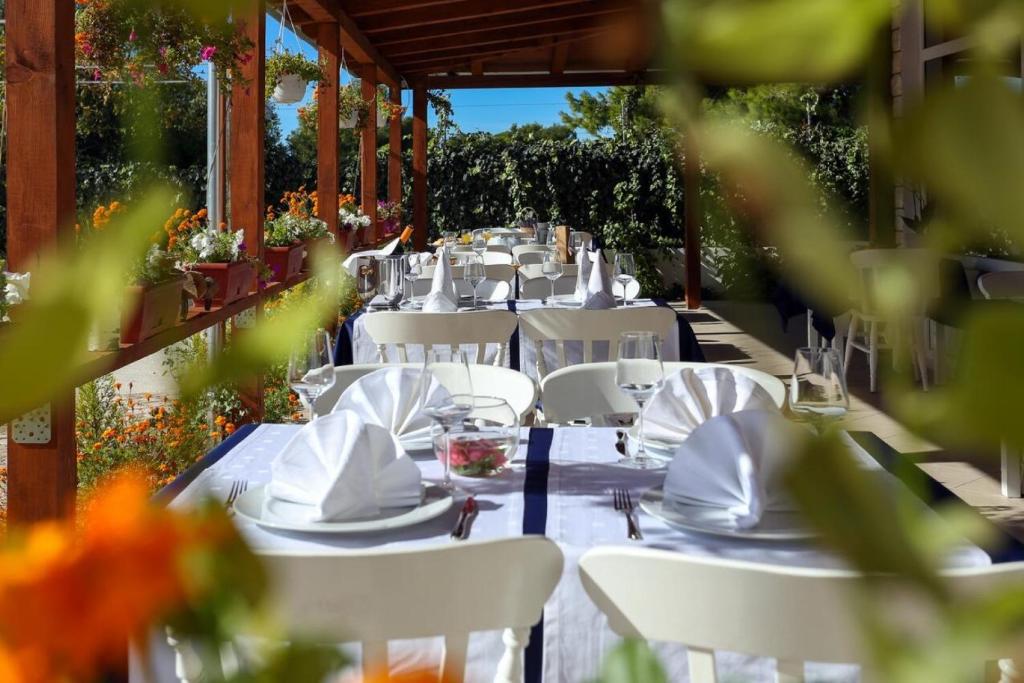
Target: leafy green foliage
pixel 632 662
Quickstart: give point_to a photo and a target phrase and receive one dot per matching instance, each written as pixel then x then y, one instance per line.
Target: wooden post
pixel 42 478
pixel 881 180
pixel 419 164
pixel 368 150
pixel 329 41
pixel 248 126
pixel 395 148
pixel 692 218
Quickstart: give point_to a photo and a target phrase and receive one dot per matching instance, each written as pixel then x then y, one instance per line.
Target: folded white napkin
pixel 599 286
pixel 443 297
pixel 736 463
pixel 583 267
pixel 391 398
pixel 690 397
pixel 340 468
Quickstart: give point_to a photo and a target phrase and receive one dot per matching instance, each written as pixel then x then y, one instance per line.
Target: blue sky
pixel 489 110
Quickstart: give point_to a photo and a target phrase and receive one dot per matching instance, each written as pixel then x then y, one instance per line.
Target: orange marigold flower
pixel 220 421
pixel 229 428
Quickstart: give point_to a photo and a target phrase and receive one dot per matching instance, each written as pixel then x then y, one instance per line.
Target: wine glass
pixel 639 374
pixel 577 242
pixel 311 369
pixel 479 244
pixel 452 367
pixel 552 268
pixel 474 273
pixel 625 272
pixel 817 391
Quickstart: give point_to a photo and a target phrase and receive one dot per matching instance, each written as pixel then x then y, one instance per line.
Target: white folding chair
pixel 562 325
pixel 878 333
pixel 792 614
pixel 405 328
pixel 589 391
pixel 1007 284
pixel 519 390
pixel 384 595
pixel 529 253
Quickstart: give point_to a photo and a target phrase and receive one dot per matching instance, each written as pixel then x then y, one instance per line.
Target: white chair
pixel 878 333
pixel 792 614
pixel 589 390
pixel 519 390
pixel 375 596
pixel 540 288
pixel 495 271
pixel 1007 284
pixel 404 328
pixel 630 291
pixel 488 290
pixel 562 325
pixel 529 254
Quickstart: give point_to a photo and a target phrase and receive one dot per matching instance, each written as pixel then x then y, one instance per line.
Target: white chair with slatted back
pixel 561 325
pixel 405 328
pixel 526 254
pixel 1008 284
pixel 376 596
pixel 789 613
pixel 519 390
pixel 589 391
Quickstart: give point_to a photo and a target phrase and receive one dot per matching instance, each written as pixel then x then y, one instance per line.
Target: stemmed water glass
pixel 474 273
pixel 311 369
pixel 639 374
pixel 624 273
pixel 552 268
pixel 479 244
pixel 817 391
pixel 453 367
pixel 577 242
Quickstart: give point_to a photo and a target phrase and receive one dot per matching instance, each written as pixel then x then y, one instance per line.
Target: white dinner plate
pixel 774 525
pixel 250 505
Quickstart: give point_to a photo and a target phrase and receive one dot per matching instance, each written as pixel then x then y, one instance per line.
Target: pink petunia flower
pixel 208 52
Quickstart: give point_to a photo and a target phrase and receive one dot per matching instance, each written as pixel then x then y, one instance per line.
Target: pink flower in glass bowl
pixel 476 457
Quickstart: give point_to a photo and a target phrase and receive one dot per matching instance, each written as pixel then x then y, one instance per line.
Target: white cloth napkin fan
pixel 443 297
pixel 391 398
pixel 340 468
pixel 599 286
pixel 690 397
pixel 736 463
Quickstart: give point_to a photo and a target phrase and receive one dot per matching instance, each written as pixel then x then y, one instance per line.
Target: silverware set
pixel 624 504
pixel 465 522
pixel 238 487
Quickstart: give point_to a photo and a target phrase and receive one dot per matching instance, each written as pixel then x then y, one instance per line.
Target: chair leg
pixel 873 357
pixel 702 665
pixel 920 347
pixel 851 336
pixel 510 668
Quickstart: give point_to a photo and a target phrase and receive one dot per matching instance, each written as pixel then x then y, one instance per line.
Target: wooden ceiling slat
pixel 511 20
pixel 545 80
pixel 457 10
pixel 447 61
pixel 362 8
pixel 486 39
pixel 352 39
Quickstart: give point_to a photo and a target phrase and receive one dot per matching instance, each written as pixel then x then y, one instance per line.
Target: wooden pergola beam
pixel 361 8
pixel 450 59
pixel 327 161
pixel 528 22
pixel 352 38
pixel 368 152
pixel 544 80
pixel 419 163
pixel 42 478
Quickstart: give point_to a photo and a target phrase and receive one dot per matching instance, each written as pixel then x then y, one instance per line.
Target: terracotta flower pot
pixel 234 280
pixel 150 309
pixel 285 262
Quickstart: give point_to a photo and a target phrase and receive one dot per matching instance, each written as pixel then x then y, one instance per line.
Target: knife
pixel 468 508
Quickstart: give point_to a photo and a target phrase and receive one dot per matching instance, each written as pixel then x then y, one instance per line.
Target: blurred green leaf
pixel 71 289
pixel 755 41
pixel 632 662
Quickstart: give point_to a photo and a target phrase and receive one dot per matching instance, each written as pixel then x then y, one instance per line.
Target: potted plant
pixel 352 108
pixel 216 252
pixel 153 300
pixel 288 75
pixel 301 207
pixel 351 218
pixel 283 250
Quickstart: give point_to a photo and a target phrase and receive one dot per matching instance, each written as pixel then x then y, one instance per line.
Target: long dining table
pixel 559 485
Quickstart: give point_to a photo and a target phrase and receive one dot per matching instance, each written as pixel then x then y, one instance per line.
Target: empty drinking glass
pixel 639 374
pixel 479 244
pixel 552 268
pixel 311 369
pixel 451 366
pixel 474 273
pixel 625 272
pixel 817 391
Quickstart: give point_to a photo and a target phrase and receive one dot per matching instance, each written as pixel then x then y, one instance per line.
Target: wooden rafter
pixel 559 56
pixel 352 38
pixel 360 8
pixel 544 80
pixel 448 59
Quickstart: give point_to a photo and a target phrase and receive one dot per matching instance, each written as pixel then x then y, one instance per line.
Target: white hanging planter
pixel 289 89
pixel 351 121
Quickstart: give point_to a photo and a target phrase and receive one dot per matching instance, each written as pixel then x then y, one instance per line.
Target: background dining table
pixel 560 485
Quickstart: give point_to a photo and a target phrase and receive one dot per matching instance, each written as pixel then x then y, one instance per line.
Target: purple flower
pixel 242 247
pixel 208 52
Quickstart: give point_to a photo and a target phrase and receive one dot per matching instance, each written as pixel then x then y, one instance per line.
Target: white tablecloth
pixel 364 350
pixel 579 516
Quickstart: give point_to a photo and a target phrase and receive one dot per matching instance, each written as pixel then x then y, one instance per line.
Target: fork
pixel 238 487
pixel 624 504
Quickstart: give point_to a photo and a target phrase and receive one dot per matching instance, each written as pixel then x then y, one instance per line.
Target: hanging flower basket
pixel 150 309
pixel 289 89
pixel 350 121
